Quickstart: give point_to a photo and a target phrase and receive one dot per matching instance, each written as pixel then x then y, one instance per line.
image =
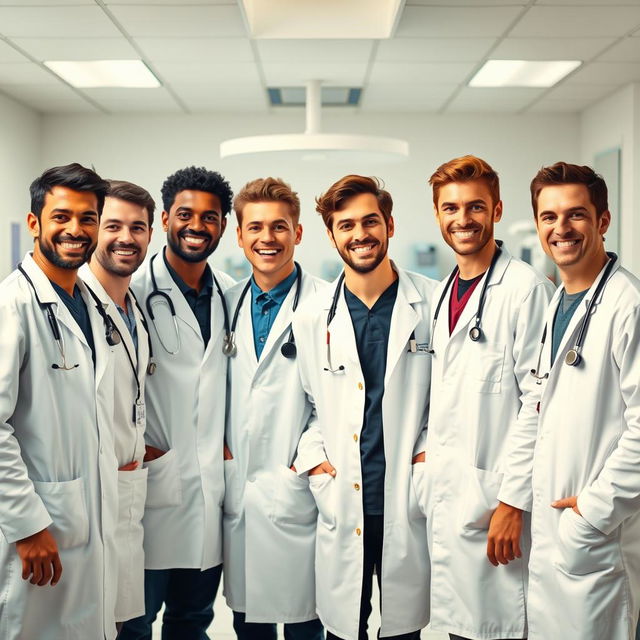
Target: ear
pixel 390 227
pixel 497 211
pixel 239 236
pixel 298 234
pixel 331 238
pixel 33 224
pixel 165 221
pixel 605 221
pixel 223 225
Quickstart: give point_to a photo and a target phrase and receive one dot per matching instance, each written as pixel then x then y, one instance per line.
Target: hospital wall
pixel 20 161
pixel 147 148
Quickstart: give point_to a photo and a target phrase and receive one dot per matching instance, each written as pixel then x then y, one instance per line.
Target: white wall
pixel 19 165
pixel 145 149
pixel 615 122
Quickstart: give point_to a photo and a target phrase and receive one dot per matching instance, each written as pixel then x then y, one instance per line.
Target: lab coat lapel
pixel 217 323
pixel 98 330
pixel 404 320
pixel 281 324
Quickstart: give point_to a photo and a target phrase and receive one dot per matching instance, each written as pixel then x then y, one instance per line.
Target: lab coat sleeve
pixel 615 493
pixel 517 466
pixel 22 512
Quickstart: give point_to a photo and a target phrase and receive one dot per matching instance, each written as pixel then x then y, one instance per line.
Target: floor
pixel 222 629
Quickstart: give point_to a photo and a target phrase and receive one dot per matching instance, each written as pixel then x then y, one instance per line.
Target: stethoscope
pixel 288 349
pixel 165 296
pixel 475 333
pixel 573 357
pixel 413 347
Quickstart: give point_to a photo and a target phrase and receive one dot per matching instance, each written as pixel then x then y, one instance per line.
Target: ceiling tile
pixel 9 54
pixel 222 97
pixel 161 2
pixel 602 3
pixel 314 50
pixel 507 100
pixel 24 73
pixel 51 98
pixel 43 3
pixel 600 21
pixel 405 97
pixel 78 48
pixel 433 49
pixel 232 74
pixel 606 73
pixel 134 100
pixel 455 22
pixel 64 22
pixel 181 21
pixel 550 48
pixel 196 49
pixel 420 72
pixel 281 74
pixel 466 3
pixel 626 51
pixel 548 105
pixel 569 91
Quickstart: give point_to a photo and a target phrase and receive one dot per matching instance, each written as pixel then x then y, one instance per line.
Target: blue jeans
pixel 188 596
pixel 310 630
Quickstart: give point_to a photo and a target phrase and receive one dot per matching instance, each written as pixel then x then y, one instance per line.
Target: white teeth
pixel 72 245
pixel 463 234
pixel 267 252
pixel 194 240
pixel 123 252
pixel 363 249
pixel 566 243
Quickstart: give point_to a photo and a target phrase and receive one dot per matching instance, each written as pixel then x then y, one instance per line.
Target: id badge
pixel 418 347
pixel 139 414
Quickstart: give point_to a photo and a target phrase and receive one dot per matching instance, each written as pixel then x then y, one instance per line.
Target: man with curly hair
pixel 185 399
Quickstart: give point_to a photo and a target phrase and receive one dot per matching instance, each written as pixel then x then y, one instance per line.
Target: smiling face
pixel 570 232
pixel 360 233
pixel 67 229
pixel 466 214
pixel 123 238
pixel 194 225
pixel 268 235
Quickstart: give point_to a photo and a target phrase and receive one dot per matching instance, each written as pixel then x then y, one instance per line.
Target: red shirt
pixel 456 307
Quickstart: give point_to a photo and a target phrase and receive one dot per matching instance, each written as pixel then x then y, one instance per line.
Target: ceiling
pixel 201 52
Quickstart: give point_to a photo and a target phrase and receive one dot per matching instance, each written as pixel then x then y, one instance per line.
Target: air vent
pixel 331 96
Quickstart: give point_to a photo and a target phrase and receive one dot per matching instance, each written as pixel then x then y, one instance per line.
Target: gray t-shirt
pixel 569 302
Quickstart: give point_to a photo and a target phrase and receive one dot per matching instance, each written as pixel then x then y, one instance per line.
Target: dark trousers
pixel 373 536
pixel 310 630
pixel 188 596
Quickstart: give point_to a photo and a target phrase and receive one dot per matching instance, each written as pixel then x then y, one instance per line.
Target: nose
pixel 74 227
pixel 266 235
pixel 196 223
pixel 125 235
pixel 562 226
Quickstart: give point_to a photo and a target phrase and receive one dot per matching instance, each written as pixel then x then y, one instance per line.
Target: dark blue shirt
pixel 199 302
pixel 264 309
pixel 371 327
pixel 78 310
pixel 129 319
pixel 567 306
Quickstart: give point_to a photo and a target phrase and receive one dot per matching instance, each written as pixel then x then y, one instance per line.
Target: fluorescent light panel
pixel 522 73
pixel 105 73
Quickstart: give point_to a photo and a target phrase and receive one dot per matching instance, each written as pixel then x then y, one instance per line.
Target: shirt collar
pixel 278 293
pixel 207 285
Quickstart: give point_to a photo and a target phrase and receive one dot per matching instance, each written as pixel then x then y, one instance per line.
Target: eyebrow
pixel 367 216
pixel 89 212
pixel 455 204
pixel 110 220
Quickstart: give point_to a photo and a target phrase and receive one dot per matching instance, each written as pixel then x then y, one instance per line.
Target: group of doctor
pixel 474 444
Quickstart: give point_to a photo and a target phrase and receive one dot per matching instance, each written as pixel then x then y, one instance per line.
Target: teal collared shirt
pixel 264 309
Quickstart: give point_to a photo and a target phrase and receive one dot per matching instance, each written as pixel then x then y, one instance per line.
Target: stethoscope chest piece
pixel 113 336
pixel 288 349
pixel 151 368
pixel 572 358
pixel 229 347
pixel 475 333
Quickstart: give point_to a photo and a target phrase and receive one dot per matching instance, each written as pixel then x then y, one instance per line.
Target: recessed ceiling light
pixel 105 73
pixel 522 73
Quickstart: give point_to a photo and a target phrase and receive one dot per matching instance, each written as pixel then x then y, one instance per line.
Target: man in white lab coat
pixel 584 572
pixel 185 403
pixel 363 362
pixel 270 514
pixel 125 232
pixel 474 474
pixel 58 468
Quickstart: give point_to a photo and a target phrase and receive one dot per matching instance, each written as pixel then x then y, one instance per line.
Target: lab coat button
pixel 358 531
pixel 355 437
pixel 356 486
pixel 360 386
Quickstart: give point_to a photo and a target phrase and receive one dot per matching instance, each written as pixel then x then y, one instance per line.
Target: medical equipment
pixel 475 333
pixel 288 349
pixel 165 296
pixel 573 357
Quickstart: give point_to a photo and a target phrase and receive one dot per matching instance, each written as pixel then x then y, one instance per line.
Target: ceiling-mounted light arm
pixel 314 106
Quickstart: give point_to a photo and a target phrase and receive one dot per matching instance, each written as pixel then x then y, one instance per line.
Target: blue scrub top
pixel 371 327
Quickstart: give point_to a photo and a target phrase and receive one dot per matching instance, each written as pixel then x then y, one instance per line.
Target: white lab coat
pixel 270 515
pixel 128 439
pixel 584 573
pixel 334 434
pixel 185 417
pixel 479 450
pixel 57 468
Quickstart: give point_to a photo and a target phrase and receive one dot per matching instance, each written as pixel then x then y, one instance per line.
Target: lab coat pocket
pixel 293 501
pixel 418 491
pixel 164 485
pixel 132 492
pixel 582 549
pixel 232 488
pixel 486 368
pixel 66 504
pixel 478 498
pixel 322 487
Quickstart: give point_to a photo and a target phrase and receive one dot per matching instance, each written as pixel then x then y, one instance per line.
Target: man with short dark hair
pixel 584 572
pixel 58 477
pixel 185 397
pixel 123 238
